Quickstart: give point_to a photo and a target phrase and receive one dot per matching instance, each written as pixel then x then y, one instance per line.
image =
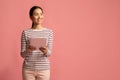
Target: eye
pixel 36 14
pixel 41 13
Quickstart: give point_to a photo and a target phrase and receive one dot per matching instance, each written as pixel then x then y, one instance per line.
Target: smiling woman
pixel 37 15
pixel 36 65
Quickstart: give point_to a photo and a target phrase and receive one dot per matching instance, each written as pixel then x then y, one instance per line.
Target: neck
pixel 37 26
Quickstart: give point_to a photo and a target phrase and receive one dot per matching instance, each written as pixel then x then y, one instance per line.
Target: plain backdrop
pixel 86 38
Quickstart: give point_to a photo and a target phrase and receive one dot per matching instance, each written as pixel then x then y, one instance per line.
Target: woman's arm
pixel 50 44
pixel 23 45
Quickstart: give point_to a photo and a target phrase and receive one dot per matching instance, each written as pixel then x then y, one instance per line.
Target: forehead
pixel 37 10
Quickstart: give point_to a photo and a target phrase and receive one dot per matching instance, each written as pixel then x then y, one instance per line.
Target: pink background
pixel 86 38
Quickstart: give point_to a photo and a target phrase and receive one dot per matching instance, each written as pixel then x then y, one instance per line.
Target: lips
pixel 40 20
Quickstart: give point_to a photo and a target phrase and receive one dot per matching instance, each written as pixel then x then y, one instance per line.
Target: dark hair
pixel 32 10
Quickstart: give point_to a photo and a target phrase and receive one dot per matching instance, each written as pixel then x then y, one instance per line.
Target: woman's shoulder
pixel 27 29
pixel 48 29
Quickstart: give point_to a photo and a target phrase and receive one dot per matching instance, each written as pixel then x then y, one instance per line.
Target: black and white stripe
pixel 36 60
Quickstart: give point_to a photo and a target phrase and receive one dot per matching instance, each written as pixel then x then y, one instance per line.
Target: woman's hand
pixel 30 49
pixel 44 49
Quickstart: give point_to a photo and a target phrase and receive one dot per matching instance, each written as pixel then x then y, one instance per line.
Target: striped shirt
pixel 36 60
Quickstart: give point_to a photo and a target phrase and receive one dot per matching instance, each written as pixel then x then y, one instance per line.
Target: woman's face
pixel 37 16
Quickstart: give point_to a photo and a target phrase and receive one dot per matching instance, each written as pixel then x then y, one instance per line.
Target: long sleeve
pixel 36 60
pixel 23 45
pixel 50 44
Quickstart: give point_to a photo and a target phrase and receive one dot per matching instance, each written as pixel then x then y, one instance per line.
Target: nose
pixel 39 16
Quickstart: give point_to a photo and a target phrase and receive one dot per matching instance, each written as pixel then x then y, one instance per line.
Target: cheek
pixel 42 17
pixel 34 18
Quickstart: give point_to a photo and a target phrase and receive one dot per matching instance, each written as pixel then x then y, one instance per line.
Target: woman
pixel 36 64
